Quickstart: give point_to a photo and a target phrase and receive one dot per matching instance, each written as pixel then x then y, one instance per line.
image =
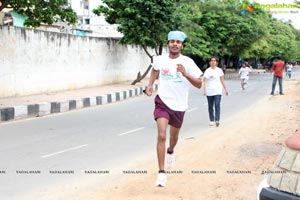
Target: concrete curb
pixel 47 108
pixel 231 76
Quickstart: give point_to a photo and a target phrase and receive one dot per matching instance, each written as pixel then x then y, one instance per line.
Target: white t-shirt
pixel 244 72
pixel 214 85
pixel 173 87
pixel 289 68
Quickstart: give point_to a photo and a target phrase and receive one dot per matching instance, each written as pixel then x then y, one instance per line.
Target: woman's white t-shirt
pixel 214 85
pixel 289 68
pixel 173 87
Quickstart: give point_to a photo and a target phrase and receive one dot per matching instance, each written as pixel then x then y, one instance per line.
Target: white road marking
pixel 63 151
pixel 132 131
pixel 192 109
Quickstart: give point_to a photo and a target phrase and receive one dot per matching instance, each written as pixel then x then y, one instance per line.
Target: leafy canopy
pixel 144 23
pixel 41 11
pixel 219 28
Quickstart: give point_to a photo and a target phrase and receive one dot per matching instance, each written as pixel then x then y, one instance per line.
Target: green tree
pixel 282 38
pixel 220 29
pixel 213 27
pixel 41 11
pixel 144 23
pixel 260 46
pixel 198 42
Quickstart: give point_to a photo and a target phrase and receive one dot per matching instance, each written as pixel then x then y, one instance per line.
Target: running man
pixel 244 73
pixel 176 74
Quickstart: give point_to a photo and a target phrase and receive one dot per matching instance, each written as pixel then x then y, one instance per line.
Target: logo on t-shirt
pixel 170 74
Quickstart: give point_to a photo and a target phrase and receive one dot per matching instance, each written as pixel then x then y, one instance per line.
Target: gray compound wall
pixel 33 61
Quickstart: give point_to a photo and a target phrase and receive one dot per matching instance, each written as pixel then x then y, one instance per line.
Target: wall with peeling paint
pixel 33 62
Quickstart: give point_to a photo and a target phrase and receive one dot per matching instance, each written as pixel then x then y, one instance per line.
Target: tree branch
pixel 4 4
pixel 146 51
pixel 141 77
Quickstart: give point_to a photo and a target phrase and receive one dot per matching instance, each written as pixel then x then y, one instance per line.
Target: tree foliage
pixel 220 28
pixel 213 27
pixel 41 11
pixel 144 23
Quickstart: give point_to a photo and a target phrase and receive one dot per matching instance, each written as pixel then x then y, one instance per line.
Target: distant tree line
pixel 214 27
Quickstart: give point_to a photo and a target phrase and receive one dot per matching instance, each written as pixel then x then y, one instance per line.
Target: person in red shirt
pixel 278 68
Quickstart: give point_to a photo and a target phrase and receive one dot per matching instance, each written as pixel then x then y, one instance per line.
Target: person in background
pixel 289 68
pixel 176 74
pixel 278 68
pixel 248 65
pixel 244 74
pixel 213 81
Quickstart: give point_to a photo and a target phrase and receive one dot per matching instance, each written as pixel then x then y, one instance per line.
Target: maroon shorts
pixel 162 111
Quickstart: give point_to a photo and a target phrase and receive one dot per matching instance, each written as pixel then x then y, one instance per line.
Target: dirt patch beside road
pixel 224 163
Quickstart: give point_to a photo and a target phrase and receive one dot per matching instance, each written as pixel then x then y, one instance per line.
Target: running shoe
pixel 161 180
pixel 170 158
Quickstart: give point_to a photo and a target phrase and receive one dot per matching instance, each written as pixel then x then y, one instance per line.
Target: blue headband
pixel 176 35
